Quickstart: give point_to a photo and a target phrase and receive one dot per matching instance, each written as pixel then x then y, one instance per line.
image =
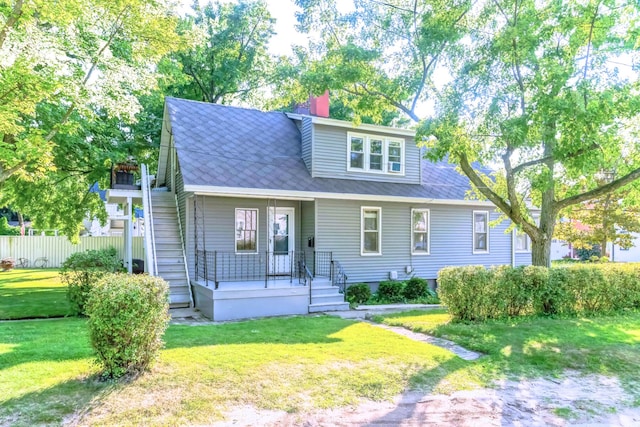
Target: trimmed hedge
pixel 474 293
pixel 127 319
pixel 358 293
pixel 82 270
pixel 415 288
pixel 391 291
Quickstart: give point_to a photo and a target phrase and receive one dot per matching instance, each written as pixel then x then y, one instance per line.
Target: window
pixel 357 153
pixel 375 154
pixel 420 231
pixel 246 230
pixel 522 242
pixel 368 153
pixel 480 232
pixel 395 156
pixel 370 223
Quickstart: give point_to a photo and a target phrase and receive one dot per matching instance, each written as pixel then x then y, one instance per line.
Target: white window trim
pixel 515 243
pixel 379 210
pixel 473 237
pixel 235 241
pixel 428 252
pixel 385 154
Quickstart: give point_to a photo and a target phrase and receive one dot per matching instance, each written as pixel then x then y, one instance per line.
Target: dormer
pixel 339 149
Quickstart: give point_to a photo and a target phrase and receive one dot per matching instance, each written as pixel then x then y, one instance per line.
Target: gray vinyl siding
pixel 338 228
pixel 216 232
pixel 523 258
pixel 167 171
pixel 307 143
pixel 307 229
pixel 181 196
pixel 330 157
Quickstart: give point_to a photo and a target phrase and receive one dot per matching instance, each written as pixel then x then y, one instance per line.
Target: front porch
pixel 231 286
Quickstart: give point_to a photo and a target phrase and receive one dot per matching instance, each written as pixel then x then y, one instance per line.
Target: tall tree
pixel 66 67
pixel 228 60
pixel 382 54
pixel 546 91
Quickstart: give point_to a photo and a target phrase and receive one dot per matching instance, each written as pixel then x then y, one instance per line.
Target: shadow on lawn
pixel 52 340
pixel 25 279
pixel 289 330
pixel 414 405
pixel 55 405
pixel 534 347
pixel 67 338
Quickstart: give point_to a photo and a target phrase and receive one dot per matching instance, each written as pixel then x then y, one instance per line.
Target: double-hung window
pixel 523 243
pixel 356 160
pixel 420 223
pixel 246 230
pixel 480 232
pixel 375 154
pixel 370 243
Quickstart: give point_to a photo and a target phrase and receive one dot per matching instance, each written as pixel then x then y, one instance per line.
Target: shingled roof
pixel 223 146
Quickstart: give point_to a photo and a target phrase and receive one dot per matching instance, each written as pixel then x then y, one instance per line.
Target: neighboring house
pixel 269 202
pixel 561 249
pixel 114 226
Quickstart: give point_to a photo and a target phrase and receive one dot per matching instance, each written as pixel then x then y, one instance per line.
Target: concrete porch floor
pixel 275 283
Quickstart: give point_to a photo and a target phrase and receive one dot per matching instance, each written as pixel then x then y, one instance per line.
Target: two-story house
pixel 279 211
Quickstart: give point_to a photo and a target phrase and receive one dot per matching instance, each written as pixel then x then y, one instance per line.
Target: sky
pixel 284 13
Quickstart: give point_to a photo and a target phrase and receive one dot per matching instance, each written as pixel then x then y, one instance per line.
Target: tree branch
pixel 579 152
pixel 493 197
pixel 11 21
pixel 94 64
pixel 600 191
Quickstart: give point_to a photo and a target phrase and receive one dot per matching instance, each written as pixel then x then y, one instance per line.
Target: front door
pixel 281 240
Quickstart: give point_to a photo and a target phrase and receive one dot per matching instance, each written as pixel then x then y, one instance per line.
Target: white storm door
pixel 281 240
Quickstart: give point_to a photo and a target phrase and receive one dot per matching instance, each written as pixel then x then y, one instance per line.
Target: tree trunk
pixel 603 247
pixel 541 252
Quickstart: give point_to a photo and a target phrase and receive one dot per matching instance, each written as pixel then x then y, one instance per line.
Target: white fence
pixel 58 248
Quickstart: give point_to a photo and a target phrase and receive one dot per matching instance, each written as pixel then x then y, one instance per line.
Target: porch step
pixel 330 306
pixel 336 298
pixel 323 290
pixel 171 276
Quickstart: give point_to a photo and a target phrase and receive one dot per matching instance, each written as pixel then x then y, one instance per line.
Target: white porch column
pixel 128 233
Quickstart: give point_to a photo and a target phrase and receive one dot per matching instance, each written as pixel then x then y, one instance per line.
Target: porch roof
pixel 222 147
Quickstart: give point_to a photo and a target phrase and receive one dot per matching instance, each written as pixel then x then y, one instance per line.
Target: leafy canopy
pixel 546 92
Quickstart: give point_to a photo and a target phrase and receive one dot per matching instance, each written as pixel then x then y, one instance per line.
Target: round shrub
pixel 127 319
pixel 82 270
pixel 416 288
pixel 358 293
pixel 391 291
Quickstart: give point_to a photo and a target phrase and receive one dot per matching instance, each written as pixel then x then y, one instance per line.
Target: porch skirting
pixel 243 302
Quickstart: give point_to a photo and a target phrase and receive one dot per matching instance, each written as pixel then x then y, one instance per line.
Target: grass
pixel 32 293
pixel 291 364
pixel 537 347
pixel 295 364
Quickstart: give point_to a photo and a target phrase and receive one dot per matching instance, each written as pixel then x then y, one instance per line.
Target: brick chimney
pixel 320 105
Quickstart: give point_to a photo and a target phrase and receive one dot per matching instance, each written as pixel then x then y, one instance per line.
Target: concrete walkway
pixel 366 312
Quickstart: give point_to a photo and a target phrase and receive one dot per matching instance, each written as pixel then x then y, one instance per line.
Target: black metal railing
pixel 338 276
pixel 220 266
pixel 322 264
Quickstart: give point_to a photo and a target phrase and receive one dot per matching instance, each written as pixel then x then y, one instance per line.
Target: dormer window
pixel 369 153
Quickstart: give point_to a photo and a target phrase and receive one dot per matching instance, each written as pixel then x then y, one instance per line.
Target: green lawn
pixel 535 347
pixel 32 293
pixel 290 364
